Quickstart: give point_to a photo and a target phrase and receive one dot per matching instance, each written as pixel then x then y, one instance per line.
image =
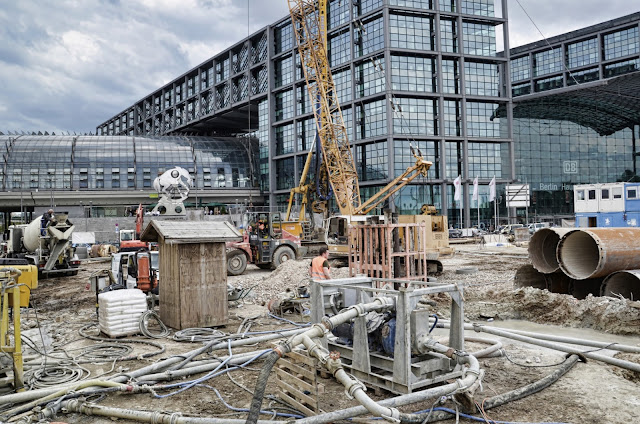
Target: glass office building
pixel 420 72
pixel 576 111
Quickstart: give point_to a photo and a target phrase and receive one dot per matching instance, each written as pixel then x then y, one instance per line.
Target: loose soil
pixel 591 392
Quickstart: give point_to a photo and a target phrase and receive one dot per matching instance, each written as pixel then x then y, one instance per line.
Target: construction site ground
pixel 591 392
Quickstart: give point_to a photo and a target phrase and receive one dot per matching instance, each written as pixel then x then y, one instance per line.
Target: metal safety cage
pixel 402 371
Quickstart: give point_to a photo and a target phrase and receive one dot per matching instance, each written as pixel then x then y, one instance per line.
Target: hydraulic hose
pixel 261 385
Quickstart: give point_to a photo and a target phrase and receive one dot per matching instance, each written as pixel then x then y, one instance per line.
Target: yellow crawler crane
pixel 309 21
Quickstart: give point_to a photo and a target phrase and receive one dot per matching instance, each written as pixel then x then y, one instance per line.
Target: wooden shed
pixel 193 271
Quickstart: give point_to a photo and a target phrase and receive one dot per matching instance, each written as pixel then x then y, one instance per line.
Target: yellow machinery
pixel 17 282
pixel 309 19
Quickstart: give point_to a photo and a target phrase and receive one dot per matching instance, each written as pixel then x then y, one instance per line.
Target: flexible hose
pixel 151 417
pixel 512 395
pixel 58 393
pixel 261 385
pixel 161 348
pixel 144 325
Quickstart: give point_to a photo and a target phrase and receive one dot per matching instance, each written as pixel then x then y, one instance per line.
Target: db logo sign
pixel 570 166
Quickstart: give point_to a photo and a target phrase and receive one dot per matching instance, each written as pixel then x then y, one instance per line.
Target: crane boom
pixel 308 21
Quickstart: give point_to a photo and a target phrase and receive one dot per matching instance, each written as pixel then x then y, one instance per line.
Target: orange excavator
pixel 130 240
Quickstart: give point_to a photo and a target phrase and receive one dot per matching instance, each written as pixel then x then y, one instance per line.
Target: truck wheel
pixel 283 254
pixel 236 262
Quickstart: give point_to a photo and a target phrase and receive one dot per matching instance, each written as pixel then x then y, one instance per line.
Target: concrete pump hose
pixel 632 366
pixel 151 417
pixel 261 385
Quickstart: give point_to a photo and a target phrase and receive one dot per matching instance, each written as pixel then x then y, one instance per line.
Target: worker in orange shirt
pixel 319 268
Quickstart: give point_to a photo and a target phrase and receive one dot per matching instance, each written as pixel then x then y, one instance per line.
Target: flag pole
pixel 478 207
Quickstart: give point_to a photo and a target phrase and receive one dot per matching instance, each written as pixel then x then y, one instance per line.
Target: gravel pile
pixel 289 275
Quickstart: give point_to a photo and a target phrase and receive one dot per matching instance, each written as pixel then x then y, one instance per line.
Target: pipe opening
pixel 578 255
pixel 623 283
pixel 580 289
pixel 542 250
pixel 527 276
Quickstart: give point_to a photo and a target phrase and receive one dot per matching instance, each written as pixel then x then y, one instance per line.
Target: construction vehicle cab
pixel 139 269
pixel 267 242
pixel 130 239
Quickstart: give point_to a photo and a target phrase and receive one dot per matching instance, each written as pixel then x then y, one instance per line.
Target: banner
pixel 456 184
pixel 475 189
pixel 492 189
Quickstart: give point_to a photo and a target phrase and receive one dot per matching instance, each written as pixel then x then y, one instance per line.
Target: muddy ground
pixel 591 392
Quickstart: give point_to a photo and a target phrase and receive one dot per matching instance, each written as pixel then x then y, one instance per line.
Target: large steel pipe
pixel 542 248
pixel 580 289
pixel 623 283
pixel 597 252
pixel 528 276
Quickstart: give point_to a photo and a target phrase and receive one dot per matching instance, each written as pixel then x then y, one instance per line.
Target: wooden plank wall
pixel 193 285
pixel 203 285
pixel 169 287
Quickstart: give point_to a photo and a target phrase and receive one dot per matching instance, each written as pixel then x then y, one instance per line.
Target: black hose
pixel 261 386
pixel 499 400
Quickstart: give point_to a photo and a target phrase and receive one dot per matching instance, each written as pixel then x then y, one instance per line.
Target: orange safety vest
pixel 317 272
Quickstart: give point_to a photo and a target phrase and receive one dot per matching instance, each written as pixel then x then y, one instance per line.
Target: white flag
pixel 492 189
pixel 475 189
pixel 456 184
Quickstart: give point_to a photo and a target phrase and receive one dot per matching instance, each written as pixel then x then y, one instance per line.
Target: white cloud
pixel 69 65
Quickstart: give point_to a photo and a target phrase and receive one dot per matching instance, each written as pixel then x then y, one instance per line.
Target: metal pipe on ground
pixel 633 366
pixel 597 252
pixel 622 283
pixel 542 248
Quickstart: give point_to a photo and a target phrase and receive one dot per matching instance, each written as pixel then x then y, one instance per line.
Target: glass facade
pixel 603 53
pixel 400 80
pixel 121 163
pixel 554 154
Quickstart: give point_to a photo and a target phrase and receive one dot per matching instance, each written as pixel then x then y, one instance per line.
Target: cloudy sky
pixel 68 65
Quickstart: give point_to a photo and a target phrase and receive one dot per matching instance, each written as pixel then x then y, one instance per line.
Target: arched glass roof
pixel 120 162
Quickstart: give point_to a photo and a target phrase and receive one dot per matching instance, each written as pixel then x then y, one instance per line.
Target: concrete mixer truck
pixel 49 248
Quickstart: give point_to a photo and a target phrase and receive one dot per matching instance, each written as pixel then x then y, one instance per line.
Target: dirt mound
pixel 632 376
pixel 289 275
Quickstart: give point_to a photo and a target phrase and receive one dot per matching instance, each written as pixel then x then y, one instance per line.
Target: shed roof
pixel 191 231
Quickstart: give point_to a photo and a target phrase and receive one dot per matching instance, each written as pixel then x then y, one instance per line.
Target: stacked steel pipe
pixel 598 261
